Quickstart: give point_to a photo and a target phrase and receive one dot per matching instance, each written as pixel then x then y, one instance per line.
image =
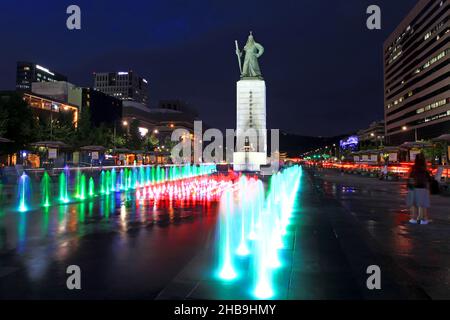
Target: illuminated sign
pixel 143 131
pixel 44 69
pixel 122 73
pixel 350 143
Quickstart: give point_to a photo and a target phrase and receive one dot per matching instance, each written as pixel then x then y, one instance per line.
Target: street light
pixel 404 128
pixel 124 123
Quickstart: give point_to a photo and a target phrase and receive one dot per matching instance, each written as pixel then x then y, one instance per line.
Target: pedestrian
pixel 384 172
pixel 410 201
pixel 418 197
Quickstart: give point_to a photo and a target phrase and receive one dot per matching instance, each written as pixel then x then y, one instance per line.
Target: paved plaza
pixel 341 225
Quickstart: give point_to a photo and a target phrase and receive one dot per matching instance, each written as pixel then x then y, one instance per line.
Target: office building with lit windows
pixel 122 85
pixel 29 72
pixel 46 107
pixel 416 74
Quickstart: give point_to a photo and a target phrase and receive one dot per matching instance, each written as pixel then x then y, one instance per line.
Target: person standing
pixel 420 180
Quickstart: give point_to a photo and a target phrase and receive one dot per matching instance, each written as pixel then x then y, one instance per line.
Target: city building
pixel 416 73
pixel 373 135
pixel 29 72
pixel 47 107
pixel 122 85
pixel 103 108
pixel 159 121
pixel 59 90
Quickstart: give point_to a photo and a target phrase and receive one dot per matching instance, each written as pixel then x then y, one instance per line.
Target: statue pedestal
pixel 251 134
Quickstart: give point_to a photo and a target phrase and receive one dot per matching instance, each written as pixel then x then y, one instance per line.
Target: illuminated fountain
pixel 142 176
pixel 23 192
pixel 77 184
pixel 127 179
pixel 121 180
pixel 249 214
pixel 243 185
pixel 91 187
pixel 148 176
pixel 82 187
pixel 134 178
pixel 113 180
pixel 107 182
pixel 102 182
pixel 46 190
pixel 185 182
pixel 63 187
pixel 227 271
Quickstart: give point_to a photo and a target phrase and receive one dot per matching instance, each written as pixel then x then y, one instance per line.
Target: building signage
pixel 76 157
pixel 350 143
pixel 52 153
pixel 413 154
pixel 393 157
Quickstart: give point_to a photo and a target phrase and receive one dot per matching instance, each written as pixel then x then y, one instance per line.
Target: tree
pixel 17 123
pixel 85 131
pixel 135 140
pixel 102 135
pixel 151 142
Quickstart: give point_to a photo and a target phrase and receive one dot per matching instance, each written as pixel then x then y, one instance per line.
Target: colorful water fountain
pixel 46 190
pixel 253 224
pixel 23 192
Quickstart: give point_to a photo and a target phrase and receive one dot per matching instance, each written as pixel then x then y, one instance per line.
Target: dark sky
pixel 322 66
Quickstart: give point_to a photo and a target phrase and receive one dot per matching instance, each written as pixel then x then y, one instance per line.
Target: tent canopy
pixel 93 148
pixel 444 137
pixel 50 144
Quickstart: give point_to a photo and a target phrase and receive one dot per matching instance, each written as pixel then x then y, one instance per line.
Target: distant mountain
pixel 295 144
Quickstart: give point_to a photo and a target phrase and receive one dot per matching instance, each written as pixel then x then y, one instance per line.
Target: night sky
pixel 322 66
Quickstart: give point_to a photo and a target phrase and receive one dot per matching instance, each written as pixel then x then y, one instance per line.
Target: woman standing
pixel 420 180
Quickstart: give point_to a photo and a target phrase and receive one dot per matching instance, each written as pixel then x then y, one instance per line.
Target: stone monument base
pixel 249 161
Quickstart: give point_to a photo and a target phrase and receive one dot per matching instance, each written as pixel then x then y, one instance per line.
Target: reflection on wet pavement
pixel 379 208
pixel 125 248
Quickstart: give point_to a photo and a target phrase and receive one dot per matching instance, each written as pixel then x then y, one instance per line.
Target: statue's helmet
pixel 250 38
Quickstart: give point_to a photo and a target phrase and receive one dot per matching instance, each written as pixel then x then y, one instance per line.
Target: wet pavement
pixel 124 250
pixel 379 212
pixel 326 256
pixel 341 225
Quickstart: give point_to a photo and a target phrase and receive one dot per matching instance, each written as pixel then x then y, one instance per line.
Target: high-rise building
pixel 46 107
pixel 122 85
pixel 416 74
pixel 58 90
pixel 373 135
pixel 103 108
pixel 29 72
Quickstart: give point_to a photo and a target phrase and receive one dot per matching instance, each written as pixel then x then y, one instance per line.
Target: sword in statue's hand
pixel 238 53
